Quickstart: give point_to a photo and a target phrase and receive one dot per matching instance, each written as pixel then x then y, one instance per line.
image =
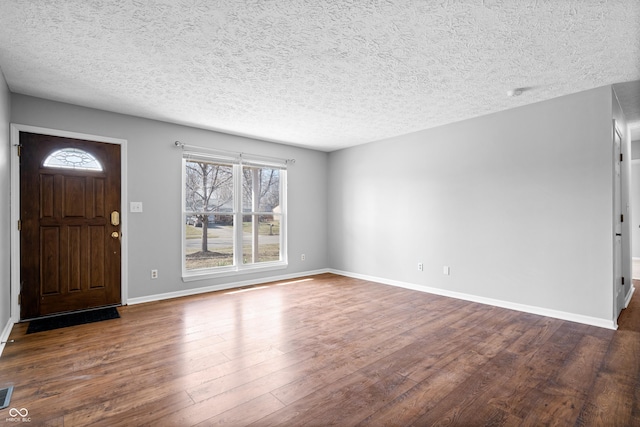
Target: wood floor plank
pixel 206 414
pixel 553 405
pixel 622 354
pixel 540 369
pixel 331 367
pixel 243 414
pixel 355 406
pixel 422 398
pixel 609 399
pixel 313 409
pixel 144 404
pixel 460 407
pixel 270 375
pixel 581 367
pixel 326 350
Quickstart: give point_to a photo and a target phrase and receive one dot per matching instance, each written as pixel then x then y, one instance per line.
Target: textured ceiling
pixel 321 74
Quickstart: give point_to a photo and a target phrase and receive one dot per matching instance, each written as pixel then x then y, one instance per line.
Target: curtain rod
pixel 233 153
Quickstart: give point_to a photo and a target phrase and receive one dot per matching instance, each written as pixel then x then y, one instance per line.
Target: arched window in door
pixel 72 158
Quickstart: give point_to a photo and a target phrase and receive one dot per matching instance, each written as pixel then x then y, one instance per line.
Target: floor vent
pixel 5 396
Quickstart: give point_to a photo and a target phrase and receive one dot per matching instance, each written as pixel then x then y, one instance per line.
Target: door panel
pixel 74 234
pixel 50 261
pixel 97 259
pixel 73 195
pixel 68 259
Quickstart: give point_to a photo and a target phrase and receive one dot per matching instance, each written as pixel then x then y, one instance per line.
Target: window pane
pixel 260 238
pixel 72 158
pixel 209 241
pixel 260 189
pixel 232 216
pixel 208 187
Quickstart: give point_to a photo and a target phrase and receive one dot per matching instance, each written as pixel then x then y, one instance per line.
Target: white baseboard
pixel 627 300
pixel 5 334
pixel 225 286
pixel 572 317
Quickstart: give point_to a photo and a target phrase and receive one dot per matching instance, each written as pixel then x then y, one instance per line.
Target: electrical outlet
pixel 154 274
pixel 303 257
pixel 420 266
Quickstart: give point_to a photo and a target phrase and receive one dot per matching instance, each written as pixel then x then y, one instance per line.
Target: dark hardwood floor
pixel 326 350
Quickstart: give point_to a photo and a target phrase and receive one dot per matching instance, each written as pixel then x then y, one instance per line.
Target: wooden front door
pixel 70 228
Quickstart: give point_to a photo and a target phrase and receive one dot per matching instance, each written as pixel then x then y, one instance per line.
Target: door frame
pixel 618 224
pixel 15 206
pixel 619 129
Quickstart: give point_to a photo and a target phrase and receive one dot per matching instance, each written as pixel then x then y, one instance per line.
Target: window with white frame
pixel 234 214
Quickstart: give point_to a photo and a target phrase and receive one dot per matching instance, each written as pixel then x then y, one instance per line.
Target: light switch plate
pixel 135 207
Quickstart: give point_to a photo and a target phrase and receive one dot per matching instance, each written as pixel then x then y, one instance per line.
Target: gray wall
pixel 154 178
pixel 635 150
pixel 5 213
pixel 518 204
pixel 635 209
pixel 635 199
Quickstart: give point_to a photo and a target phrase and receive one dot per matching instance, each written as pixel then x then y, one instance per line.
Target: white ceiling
pixel 323 74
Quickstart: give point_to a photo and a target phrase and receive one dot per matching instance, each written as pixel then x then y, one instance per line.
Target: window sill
pixel 232 271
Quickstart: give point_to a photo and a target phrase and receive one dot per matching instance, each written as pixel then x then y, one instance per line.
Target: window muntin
pixel 72 158
pixel 233 216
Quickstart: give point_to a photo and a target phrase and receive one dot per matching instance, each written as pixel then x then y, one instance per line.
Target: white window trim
pixel 239 267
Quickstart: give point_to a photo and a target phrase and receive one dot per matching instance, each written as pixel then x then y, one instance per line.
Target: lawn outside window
pixel 233 216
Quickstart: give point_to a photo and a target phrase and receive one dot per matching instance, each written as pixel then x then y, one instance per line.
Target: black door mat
pixel 72 319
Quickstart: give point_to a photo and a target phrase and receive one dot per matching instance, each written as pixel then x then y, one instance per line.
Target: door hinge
pixel 19 299
pixel 622 218
pixel 623 280
pixel 19 149
pixel 621 157
pixel 19 225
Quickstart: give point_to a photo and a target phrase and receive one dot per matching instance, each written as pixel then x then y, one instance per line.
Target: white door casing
pixel 15 206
